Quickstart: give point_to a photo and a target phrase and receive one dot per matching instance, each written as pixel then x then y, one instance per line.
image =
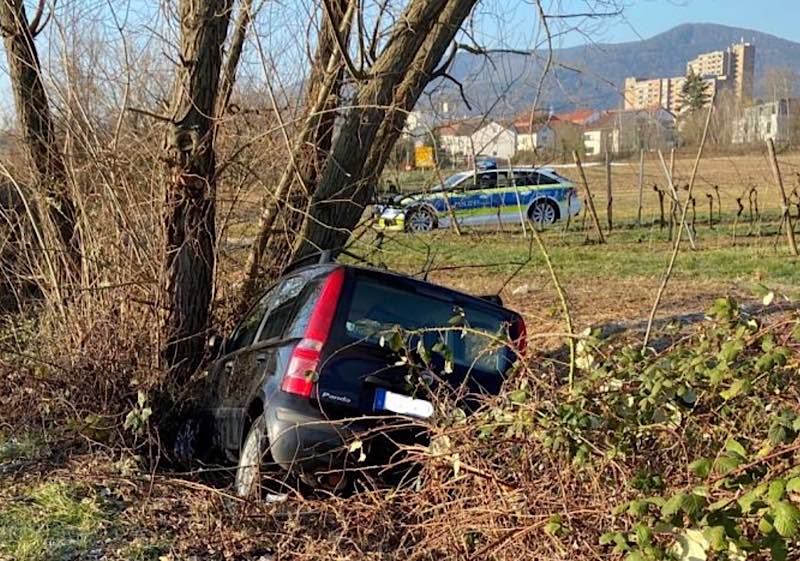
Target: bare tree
pixel 396 80
pixel 311 147
pixel 191 188
pixel 240 28
pixel 36 122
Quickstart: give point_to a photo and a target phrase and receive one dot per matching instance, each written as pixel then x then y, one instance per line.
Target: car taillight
pixel 520 335
pixel 305 359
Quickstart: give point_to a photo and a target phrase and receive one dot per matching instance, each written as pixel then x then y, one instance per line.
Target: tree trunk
pixel 344 189
pixel 234 54
pixel 37 127
pixel 191 190
pixel 420 74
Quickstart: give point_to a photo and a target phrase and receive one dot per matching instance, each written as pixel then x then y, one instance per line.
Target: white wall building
pixel 773 120
pixel 494 139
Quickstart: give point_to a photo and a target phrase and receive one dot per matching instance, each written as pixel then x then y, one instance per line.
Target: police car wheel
pixel 420 220
pixel 543 213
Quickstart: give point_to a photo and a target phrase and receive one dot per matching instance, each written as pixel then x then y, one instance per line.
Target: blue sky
pixel 646 18
pixel 504 21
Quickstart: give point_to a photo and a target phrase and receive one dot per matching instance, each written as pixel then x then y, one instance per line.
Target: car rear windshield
pixel 470 335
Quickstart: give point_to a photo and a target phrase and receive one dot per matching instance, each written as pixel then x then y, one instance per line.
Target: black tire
pixel 419 220
pixel 543 213
pixel 247 483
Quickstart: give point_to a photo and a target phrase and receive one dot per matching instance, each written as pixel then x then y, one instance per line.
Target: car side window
pixel 467 184
pixel 542 179
pixel 246 330
pixel 502 179
pixel 487 180
pixel 524 178
pixel 281 308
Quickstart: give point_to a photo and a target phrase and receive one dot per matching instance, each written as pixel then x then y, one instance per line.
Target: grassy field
pixel 615 281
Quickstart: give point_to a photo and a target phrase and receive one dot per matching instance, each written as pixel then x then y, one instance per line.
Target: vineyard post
pixel 641 187
pixel 589 200
pixel 776 171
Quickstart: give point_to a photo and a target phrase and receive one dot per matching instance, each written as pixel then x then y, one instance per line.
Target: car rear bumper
pixel 302 441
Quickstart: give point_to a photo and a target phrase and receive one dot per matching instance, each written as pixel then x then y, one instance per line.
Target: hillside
pixel 593 75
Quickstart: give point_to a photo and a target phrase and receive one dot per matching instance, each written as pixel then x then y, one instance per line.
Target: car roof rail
pixel 493 298
pixel 324 257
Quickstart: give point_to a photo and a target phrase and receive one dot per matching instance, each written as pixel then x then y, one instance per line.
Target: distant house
pixel 537 135
pixel 495 139
pixel 776 120
pixel 580 117
pixel 455 138
pixel 627 131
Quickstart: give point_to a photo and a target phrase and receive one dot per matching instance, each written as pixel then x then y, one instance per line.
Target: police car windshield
pixel 455 179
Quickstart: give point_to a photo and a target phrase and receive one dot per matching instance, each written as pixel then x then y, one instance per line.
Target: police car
pixel 483 197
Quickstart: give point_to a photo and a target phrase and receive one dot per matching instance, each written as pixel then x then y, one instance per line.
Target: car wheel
pixel 543 213
pixel 420 220
pixel 251 457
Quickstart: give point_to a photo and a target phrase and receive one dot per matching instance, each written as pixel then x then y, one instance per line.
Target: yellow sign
pixel 423 156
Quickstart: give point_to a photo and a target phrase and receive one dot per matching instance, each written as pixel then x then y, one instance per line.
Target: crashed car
pixel 486 197
pixel 310 367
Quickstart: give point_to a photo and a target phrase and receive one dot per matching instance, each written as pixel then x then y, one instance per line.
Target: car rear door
pixel 228 369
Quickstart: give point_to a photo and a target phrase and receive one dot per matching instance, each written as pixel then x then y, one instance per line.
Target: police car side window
pixel 545 180
pixel 487 180
pixel 502 179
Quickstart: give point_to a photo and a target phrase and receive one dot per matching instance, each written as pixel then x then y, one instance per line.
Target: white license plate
pixel 402 404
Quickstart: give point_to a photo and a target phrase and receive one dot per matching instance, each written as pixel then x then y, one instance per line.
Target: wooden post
pixel 672 163
pixel 710 198
pixel 641 187
pixel 609 195
pixel 588 193
pixel 660 194
pixel 719 205
pixel 776 171
pixel 694 214
pixel 738 216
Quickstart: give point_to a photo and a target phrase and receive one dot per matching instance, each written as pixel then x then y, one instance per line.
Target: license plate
pixel 402 404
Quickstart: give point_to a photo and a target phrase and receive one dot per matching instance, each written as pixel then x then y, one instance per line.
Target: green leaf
pixel 701 467
pixel 553 525
pixel 518 396
pixel 727 463
pixel 644 535
pixel 673 505
pixel 776 490
pixel 691 546
pixel 736 388
pixel 716 537
pixel 793 485
pixel 692 504
pixel 765 526
pixel 732 445
pixel 787 517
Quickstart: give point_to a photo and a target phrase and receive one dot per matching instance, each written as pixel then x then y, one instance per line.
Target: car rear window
pixel 378 309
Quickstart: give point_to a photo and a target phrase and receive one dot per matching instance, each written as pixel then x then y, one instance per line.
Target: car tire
pixel 420 220
pixel 251 457
pixel 543 213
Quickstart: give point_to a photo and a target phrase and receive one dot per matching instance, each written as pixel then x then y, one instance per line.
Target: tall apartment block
pixel 731 70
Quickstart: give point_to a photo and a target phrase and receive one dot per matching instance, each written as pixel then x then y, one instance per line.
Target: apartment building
pixel 731 69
